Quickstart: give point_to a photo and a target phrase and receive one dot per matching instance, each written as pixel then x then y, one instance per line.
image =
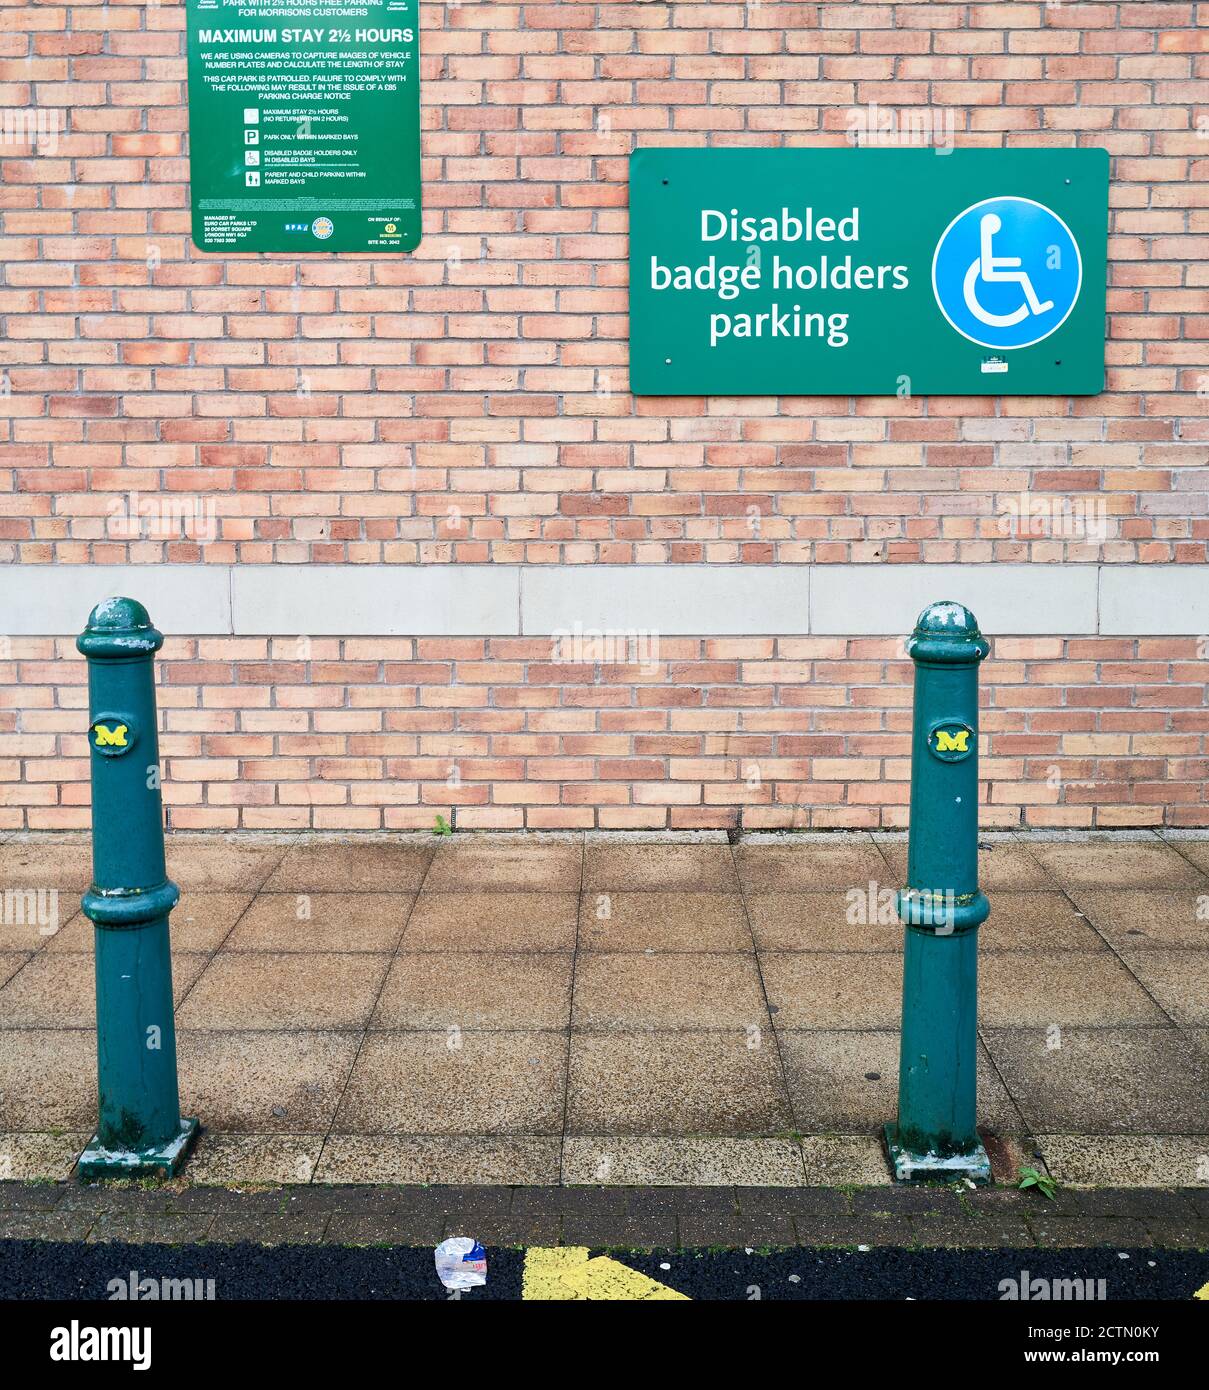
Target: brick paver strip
pixel 637 1217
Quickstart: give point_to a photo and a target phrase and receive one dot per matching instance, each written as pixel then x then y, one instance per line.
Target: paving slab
pixel 851 1159
pixel 1139 917
pixel 1036 921
pixel 1039 988
pixel 1132 864
pixel 675 1084
pixel 250 1082
pixel 322 922
pixel 825 921
pixel 492 921
pixel 811 867
pixel 1142 1081
pixel 48 1079
pixel 41 1155
pixel 696 868
pixel 674 1161
pixel 833 989
pixel 58 990
pixel 663 921
pixel 410 1158
pixel 222 863
pixel 664 991
pixel 509 867
pixel 847 1082
pixel 1126 1160
pixel 47 865
pixel 474 990
pixel 466 1083
pixel 281 990
pixel 347 868
pixel 255 1158
pixel 199 922
pixel 1178 980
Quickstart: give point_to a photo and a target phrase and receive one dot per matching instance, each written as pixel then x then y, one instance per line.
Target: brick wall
pixel 467 404
pixel 367 734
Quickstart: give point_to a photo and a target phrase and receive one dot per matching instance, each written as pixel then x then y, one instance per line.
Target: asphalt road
pixel 84 1271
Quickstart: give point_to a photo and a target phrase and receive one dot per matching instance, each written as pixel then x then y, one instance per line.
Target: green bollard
pixel 936 1134
pixel 140 1129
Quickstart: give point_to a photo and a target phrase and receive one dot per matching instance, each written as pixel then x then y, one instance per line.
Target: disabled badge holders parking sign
pixel 895 272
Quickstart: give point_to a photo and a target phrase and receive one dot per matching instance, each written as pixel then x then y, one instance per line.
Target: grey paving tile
pixel 676 1161
pixel 284 990
pixel 825 921
pixel 1036 921
pixel 61 866
pixel 1178 980
pixel 40 1155
pixel 58 990
pixel 832 989
pixel 418 1158
pixel 1133 918
pixel 674 1084
pixel 254 1158
pixel 322 922
pixel 1126 1160
pixel 376 867
pixel 472 1083
pixel 847 1082
pixel 473 990
pixel 663 921
pixel 506 868
pixel 492 921
pixel 1147 1081
pixel 1035 989
pixel 48 1079
pixel 810 866
pixel 254 1082
pixel 1127 864
pixel 665 868
pixel 199 923
pixel 664 991
pixel 221 863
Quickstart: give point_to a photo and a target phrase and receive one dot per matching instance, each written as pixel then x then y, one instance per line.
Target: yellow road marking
pixel 567 1272
pixel 1202 1292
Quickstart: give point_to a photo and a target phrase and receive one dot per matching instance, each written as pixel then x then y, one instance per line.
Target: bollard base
pixel 933 1167
pixel 162 1160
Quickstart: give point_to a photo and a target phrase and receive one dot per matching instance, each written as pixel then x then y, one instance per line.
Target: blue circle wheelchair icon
pixel 1006 273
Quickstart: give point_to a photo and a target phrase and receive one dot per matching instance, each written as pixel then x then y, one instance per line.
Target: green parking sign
pixel 304 125
pixel 867 271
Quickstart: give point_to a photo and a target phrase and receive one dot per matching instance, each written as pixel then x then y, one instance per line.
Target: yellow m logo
pixel 952 743
pixel 111 738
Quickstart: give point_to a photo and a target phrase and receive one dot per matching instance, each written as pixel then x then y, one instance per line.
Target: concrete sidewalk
pixel 538 1010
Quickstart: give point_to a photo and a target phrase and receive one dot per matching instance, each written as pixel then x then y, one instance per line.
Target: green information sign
pixel 304 125
pixel 759 272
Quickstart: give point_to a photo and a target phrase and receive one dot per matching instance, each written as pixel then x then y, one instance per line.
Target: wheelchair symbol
pixel 1006 272
pixel 999 269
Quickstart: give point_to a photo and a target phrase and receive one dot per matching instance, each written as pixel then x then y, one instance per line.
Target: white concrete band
pixel 691 600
